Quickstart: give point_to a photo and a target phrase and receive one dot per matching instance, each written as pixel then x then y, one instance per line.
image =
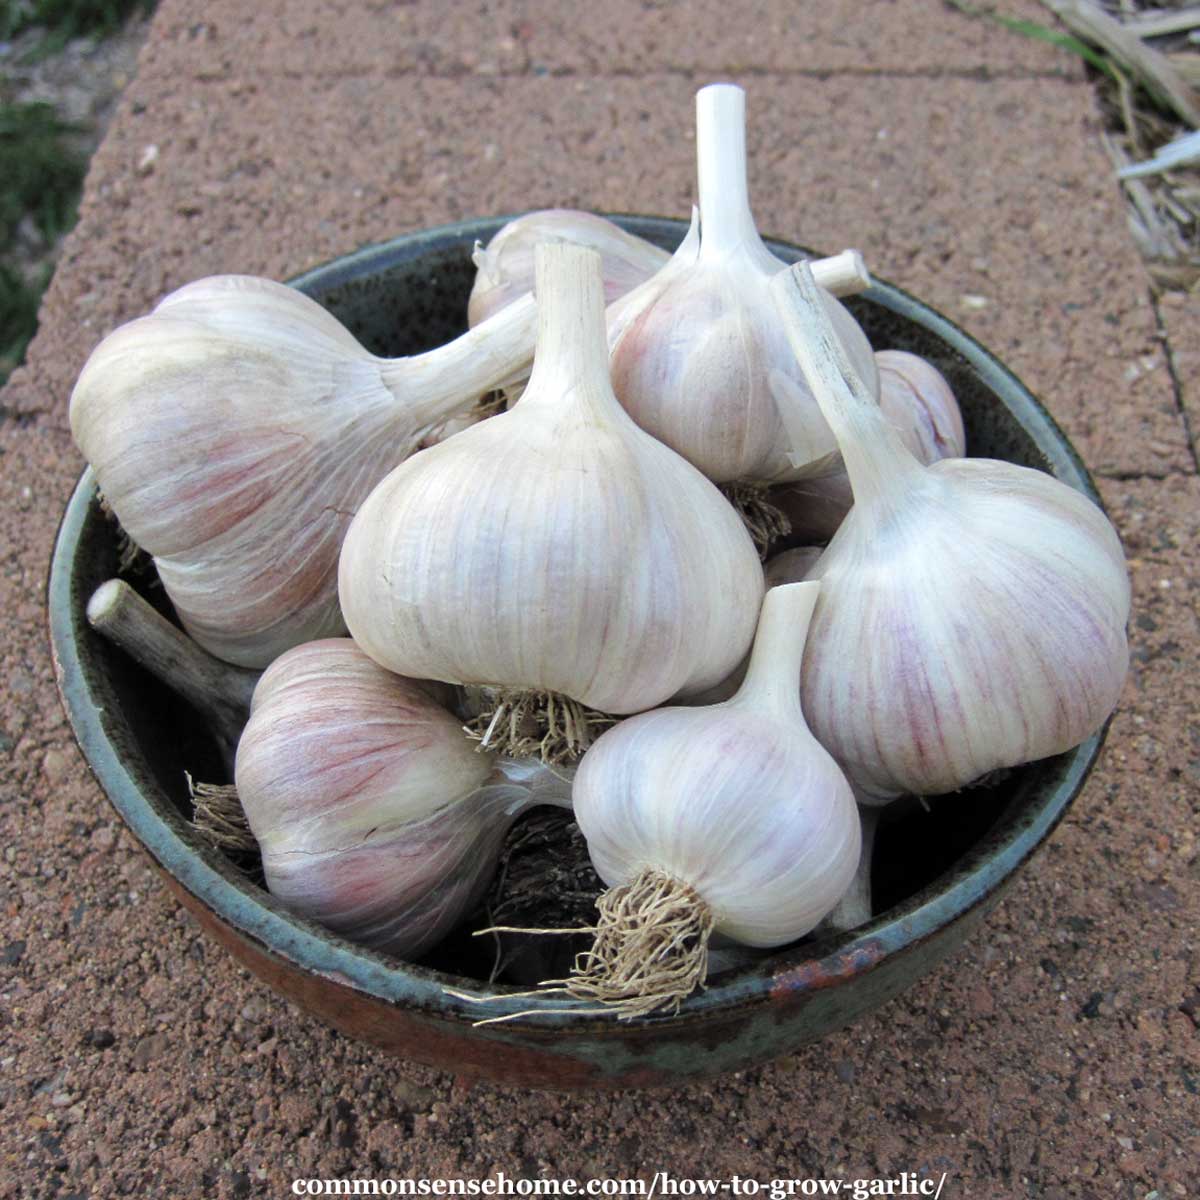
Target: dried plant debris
pixel 1145 59
pixel 1149 99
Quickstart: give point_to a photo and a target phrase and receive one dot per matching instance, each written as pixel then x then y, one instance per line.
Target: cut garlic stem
pixel 219 692
pixel 469 365
pixel 842 274
pixel 772 678
pixel 726 222
pixel 877 461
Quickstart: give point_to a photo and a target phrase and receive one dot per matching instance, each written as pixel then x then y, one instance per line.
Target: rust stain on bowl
pixel 826 972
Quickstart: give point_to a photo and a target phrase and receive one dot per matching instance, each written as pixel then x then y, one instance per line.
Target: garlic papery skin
pixel 555 547
pixel 918 402
pixel 235 430
pixel 972 612
pixel 374 813
pixel 702 363
pixel 736 806
pixel 505 266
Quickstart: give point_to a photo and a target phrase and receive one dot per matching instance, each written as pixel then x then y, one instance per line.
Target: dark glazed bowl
pixel 937 873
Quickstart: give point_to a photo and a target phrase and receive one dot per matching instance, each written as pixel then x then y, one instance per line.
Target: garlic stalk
pixel 729 818
pixel 555 548
pixel 703 364
pixel 917 400
pixel 235 430
pixel 220 693
pixel 972 612
pixel 374 813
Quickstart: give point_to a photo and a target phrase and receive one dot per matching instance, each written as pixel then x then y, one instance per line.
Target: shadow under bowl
pixel 938 872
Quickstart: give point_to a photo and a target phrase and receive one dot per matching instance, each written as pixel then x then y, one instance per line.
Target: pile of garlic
pixel 563 603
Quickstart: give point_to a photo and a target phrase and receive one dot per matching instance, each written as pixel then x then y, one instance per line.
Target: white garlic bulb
pixel 505 266
pixel 374 813
pixel 703 364
pixel 556 547
pixel 731 816
pixel 972 612
pixel 235 430
pixel 917 400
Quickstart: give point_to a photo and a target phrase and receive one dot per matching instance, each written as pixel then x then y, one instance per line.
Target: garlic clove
pixel 374 813
pixel 733 815
pixel 596 565
pixel 972 612
pixel 917 400
pixel 505 267
pixel 699 359
pixel 235 430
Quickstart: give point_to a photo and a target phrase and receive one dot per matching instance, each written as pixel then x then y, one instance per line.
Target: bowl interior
pixel 410 295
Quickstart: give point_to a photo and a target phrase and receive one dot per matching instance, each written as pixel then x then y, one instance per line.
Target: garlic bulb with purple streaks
pixel 917 400
pixel 972 612
pixel 703 364
pixel 555 549
pixel 730 818
pixel 234 431
pixel 374 813
pixel 505 265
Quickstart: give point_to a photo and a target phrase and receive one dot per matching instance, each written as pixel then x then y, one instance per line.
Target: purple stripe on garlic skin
pixel 972 612
pixel 235 430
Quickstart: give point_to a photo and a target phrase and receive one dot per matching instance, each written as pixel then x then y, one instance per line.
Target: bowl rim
pixel 255 914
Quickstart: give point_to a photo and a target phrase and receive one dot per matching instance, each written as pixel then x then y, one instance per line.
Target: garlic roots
pixel 374 813
pixel 729 818
pixel 700 359
pixel 917 400
pixel 235 430
pixel 972 612
pixel 555 547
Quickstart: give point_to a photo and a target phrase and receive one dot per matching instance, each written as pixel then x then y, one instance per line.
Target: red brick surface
pixel 1058 1056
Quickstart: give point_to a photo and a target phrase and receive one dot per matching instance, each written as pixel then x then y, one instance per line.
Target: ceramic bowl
pixel 937 873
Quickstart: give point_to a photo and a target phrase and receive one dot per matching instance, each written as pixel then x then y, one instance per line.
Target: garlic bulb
pixel 972 612
pixel 555 548
pixel 235 430
pixel 703 364
pixel 917 400
pixel 374 813
pixel 505 267
pixel 730 818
